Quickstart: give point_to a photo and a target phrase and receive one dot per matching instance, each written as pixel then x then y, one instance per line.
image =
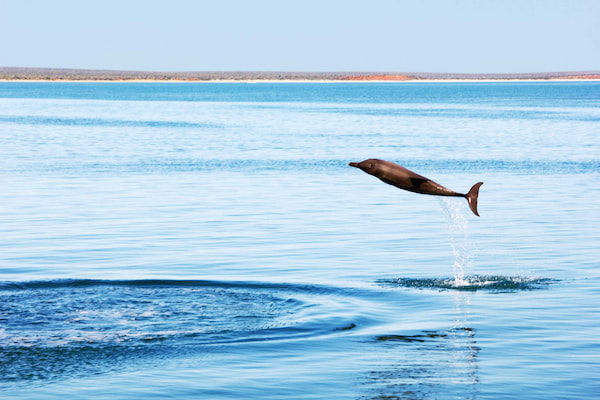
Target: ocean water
pixel 208 240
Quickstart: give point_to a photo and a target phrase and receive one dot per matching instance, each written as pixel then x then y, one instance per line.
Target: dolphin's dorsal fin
pixel 417 182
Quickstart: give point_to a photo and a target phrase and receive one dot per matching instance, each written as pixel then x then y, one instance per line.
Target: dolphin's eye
pixel 370 165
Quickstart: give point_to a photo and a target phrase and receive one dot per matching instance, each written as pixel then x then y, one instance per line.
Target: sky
pixel 460 36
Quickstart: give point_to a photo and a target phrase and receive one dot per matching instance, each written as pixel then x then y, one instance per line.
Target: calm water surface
pixel 210 241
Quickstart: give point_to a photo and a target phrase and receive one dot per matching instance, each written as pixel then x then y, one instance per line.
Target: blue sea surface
pixel 209 240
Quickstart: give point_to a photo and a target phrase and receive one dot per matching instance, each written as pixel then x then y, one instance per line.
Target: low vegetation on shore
pixel 64 74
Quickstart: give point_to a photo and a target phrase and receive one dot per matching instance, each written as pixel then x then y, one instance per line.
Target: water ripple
pixel 51 121
pixel 176 165
pixel 76 327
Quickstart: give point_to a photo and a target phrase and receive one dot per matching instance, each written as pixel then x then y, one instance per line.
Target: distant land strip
pixel 66 74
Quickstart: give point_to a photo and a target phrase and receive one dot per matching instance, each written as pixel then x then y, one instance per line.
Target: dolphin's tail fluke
pixel 472 197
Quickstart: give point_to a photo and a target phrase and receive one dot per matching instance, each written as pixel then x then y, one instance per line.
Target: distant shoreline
pixel 19 74
pixel 175 81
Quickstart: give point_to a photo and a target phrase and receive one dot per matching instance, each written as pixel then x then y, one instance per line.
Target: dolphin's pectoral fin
pixel 417 182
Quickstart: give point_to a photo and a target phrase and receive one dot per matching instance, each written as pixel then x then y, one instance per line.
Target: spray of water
pixel 456 214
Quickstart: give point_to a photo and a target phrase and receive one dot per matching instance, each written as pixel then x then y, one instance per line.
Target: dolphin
pixel 396 175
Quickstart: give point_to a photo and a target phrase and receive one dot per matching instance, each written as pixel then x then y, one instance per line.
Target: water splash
pixel 492 283
pixel 456 214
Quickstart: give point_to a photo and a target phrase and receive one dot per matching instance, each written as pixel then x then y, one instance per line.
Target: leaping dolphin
pixel 395 175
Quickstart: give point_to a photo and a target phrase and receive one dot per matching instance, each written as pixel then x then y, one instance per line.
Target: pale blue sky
pixel 472 36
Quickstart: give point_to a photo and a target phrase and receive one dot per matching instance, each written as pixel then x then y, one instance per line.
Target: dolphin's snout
pixel 353 164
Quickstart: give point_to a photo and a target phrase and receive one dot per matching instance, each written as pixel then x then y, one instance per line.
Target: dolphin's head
pixel 369 166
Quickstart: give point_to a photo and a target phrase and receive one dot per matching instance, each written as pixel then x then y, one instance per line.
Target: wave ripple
pixel 50 329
